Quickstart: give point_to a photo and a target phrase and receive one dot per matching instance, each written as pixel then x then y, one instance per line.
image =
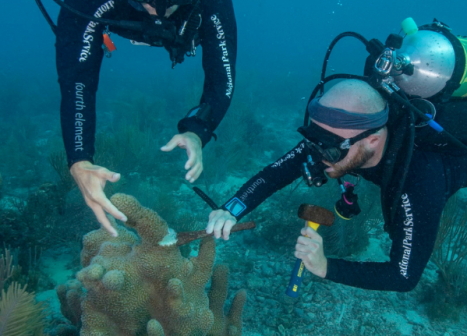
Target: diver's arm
pixel 219 43
pixel 271 179
pixel 410 252
pixel 413 235
pixel 78 57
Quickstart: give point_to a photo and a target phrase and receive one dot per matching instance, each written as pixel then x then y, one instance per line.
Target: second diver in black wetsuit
pixel 351 110
pixel 178 26
pixel 352 129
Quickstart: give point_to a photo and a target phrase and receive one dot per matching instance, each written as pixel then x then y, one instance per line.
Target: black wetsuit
pixel 431 179
pixel 79 56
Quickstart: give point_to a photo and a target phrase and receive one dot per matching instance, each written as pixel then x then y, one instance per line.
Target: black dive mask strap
pixel 361 136
pixel 315 133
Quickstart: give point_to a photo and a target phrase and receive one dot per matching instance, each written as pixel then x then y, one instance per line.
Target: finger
pixel 194 173
pixel 198 171
pixel 115 177
pixel 300 255
pixel 218 227
pixel 307 249
pixel 303 240
pixel 227 227
pixel 192 158
pixel 310 233
pixel 109 175
pixel 305 258
pixel 308 244
pixel 210 227
pixel 102 218
pixel 112 209
pixel 302 248
pixel 313 235
pixel 213 217
pixel 174 142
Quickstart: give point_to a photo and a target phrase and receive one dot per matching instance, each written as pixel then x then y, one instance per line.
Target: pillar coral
pixel 139 284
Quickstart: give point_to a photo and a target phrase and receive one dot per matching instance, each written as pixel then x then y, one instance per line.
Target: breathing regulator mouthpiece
pixel 347 206
pixel 313 172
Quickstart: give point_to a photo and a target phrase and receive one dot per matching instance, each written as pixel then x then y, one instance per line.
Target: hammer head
pixel 316 214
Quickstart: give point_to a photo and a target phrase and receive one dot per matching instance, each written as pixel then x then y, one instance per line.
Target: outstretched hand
pixel 91 180
pixel 192 143
pixel 309 248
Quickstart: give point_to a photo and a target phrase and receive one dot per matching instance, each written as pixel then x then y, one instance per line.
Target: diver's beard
pixel 341 168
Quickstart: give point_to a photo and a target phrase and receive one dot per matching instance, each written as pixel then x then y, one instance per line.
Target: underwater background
pixel 281 46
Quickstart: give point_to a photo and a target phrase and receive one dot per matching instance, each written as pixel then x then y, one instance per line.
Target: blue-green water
pixel 280 49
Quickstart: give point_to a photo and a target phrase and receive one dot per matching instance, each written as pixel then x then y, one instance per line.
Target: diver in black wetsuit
pixel 354 110
pixel 413 147
pixel 178 26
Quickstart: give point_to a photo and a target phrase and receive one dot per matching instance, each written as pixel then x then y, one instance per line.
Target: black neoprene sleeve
pixel 271 179
pixel 78 58
pixel 219 43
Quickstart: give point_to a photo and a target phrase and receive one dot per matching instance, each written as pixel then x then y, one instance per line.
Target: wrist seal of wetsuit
pixel 203 113
pixel 199 120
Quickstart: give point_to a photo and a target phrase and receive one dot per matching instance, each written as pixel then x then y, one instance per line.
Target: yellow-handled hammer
pixel 314 216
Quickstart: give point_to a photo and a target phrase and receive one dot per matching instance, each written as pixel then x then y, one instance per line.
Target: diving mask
pixel 327 146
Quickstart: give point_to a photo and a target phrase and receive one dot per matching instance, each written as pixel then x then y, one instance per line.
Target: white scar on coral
pixel 170 239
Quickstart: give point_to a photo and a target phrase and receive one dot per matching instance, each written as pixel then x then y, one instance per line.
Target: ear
pixel 372 141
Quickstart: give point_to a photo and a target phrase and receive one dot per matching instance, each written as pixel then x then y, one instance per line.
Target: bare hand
pixel 91 180
pixel 309 248
pixel 221 222
pixel 194 150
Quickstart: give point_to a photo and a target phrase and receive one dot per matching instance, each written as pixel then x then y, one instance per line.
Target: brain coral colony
pixel 139 284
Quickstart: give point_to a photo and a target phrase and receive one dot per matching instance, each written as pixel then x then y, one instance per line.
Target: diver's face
pixel 358 156
pixel 151 10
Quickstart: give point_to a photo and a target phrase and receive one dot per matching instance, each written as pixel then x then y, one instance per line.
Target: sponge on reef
pixel 137 286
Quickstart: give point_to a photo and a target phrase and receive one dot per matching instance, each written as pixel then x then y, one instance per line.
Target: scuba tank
pixel 431 68
pixel 431 62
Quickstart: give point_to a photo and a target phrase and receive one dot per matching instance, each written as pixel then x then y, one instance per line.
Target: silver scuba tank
pixel 433 60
